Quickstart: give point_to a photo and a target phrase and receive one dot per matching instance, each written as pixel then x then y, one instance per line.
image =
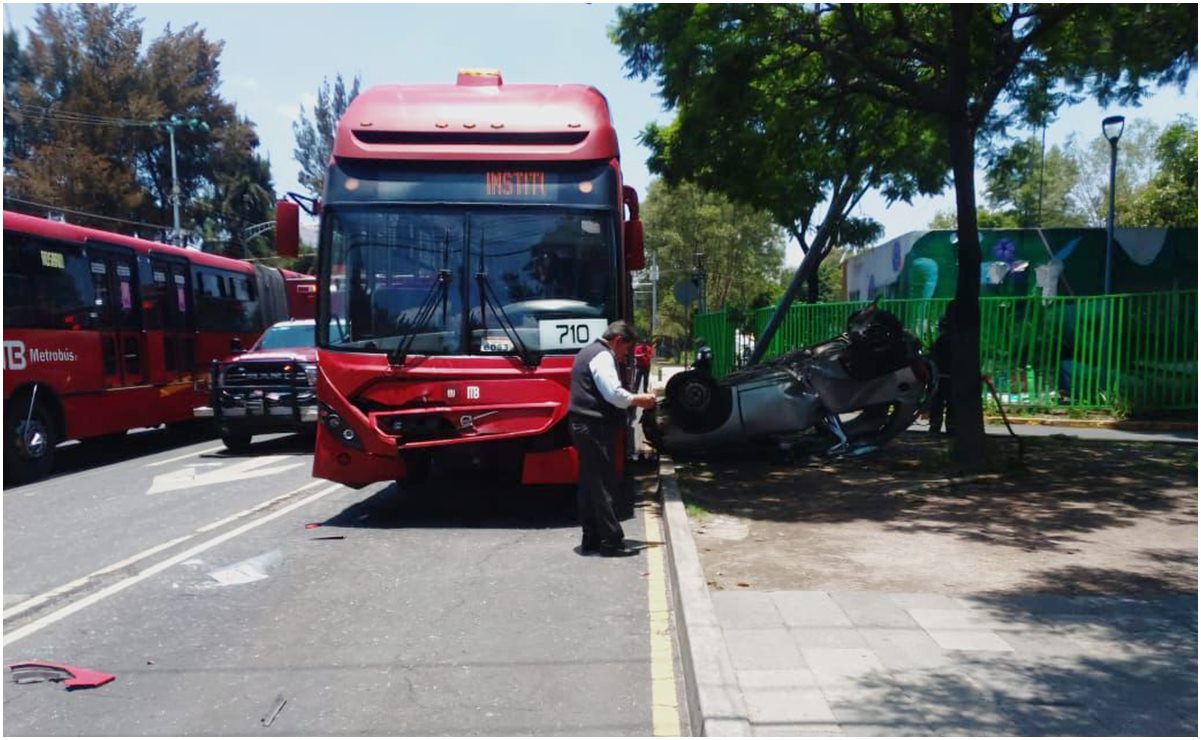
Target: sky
pixel 276 56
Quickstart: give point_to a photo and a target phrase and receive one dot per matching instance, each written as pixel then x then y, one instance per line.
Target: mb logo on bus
pixel 14 356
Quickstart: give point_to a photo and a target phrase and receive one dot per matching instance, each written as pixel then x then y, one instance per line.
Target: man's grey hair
pixel 620 329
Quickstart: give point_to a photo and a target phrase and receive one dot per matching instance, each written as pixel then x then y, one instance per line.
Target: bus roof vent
pixel 479 78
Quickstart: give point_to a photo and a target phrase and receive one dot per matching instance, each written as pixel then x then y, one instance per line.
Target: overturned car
pixel 859 389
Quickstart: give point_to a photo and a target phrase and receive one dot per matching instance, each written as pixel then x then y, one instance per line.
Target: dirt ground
pixel 1078 517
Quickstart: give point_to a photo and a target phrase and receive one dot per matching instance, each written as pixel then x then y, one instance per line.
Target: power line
pixel 158 227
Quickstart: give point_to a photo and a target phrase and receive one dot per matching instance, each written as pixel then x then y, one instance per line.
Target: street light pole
pixel 193 124
pixel 654 294
pixel 174 181
pixel 1111 127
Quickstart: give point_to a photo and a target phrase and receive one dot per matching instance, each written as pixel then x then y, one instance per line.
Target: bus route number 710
pixel 570 334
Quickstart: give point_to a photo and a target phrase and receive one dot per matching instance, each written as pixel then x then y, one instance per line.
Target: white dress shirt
pixel 608 382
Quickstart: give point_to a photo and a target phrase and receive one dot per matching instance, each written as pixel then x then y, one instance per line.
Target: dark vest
pixel 586 398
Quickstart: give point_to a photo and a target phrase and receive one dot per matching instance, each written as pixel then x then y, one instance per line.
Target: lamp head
pixel 1112 128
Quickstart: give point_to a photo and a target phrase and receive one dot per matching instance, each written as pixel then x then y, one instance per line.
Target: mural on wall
pixel 1019 262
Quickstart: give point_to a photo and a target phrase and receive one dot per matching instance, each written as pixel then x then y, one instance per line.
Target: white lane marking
pixel 184 457
pixel 31 602
pixel 253 509
pixel 66 611
pixel 191 477
pixel 68 587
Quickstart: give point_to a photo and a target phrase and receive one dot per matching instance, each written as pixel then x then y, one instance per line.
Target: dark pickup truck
pixel 269 389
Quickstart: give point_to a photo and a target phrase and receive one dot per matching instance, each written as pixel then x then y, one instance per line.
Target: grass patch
pixel 695 511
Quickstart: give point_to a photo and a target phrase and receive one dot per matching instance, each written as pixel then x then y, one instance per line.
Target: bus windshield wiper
pixel 438 294
pixel 488 299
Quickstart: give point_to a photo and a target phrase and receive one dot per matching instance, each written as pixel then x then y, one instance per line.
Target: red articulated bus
pixel 473 238
pixel 104 333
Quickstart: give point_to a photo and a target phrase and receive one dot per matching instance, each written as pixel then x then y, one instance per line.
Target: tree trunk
pixel 966 408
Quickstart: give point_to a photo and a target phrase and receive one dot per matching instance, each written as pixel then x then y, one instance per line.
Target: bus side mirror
pixel 287 229
pixel 635 250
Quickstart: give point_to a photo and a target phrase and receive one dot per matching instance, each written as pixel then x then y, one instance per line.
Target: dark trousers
pixel 594 442
pixel 641 377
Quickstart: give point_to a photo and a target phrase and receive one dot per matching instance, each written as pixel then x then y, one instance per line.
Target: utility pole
pixel 654 293
pixel 193 124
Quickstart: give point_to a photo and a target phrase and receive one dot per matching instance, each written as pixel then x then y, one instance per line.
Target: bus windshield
pixel 437 280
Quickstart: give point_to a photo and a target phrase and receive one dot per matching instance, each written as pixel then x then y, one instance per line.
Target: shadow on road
pixel 475 501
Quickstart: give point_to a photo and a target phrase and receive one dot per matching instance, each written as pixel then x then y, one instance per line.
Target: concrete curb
pixel 715 704
pixel 1121 426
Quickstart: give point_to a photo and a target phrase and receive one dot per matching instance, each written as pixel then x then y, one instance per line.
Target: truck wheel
pixel 236 441
pixel 28 442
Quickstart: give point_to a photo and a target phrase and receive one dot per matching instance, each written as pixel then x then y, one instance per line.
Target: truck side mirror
pixel 635 249
pixel 287 229
pixel 235 346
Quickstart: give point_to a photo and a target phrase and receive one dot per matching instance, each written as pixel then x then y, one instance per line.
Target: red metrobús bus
pixel 473 238
pixel 104 332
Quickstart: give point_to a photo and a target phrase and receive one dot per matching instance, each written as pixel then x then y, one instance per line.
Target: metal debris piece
pixel 276 707
pixel 35 671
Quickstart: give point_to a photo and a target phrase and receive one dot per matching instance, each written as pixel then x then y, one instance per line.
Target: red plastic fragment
pixel 312 525
pixel 80 678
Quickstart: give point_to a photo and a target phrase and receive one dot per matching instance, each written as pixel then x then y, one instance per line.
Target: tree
pixel 948 66
pixel 83 112
pixel 1030 190
pixel 743 252
pixel 315 137
pixel 1136 164
pixel 746 128
pixel 1170 198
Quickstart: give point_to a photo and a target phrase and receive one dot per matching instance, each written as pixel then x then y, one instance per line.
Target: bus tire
pixel 236 441
pixel 28 448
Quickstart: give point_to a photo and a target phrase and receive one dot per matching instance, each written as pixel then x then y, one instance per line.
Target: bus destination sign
pixel 515 183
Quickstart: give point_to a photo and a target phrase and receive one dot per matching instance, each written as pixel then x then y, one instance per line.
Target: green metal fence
pixel 1123 354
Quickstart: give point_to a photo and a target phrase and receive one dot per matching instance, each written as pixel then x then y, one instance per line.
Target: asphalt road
pixel 236 595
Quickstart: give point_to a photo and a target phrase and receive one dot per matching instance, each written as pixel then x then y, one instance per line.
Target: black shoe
pixel 589 546
pixel 616 549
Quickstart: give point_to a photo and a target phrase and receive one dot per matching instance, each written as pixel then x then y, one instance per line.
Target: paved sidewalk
pixel 873 663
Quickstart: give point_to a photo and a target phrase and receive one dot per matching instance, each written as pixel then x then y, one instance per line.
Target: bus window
pixel 56 278
pixel 18 285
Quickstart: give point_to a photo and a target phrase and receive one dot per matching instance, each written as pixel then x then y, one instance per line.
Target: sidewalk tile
pixel 763 650
pixel 746 610
pixel 844 667
pixel 872 609
pixel 981 640
pixel 876 703
pixel 809 609
pixel 925 601
pixel 777 680
pixel 906 649
pixel 828 637
pixel 945 619
pixel 792 706
pixel 796 729
pixel 887 730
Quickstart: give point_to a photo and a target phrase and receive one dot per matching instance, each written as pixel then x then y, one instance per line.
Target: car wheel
pixel 236 441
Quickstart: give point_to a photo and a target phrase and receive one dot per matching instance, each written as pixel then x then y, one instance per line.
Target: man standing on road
pixel 644 352
pixel 596 415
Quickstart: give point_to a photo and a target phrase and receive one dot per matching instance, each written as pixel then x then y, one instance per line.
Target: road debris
pixel 276 707
pixel 36 671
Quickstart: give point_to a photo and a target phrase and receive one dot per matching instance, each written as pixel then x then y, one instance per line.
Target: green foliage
pixel 83 104
pixel 315 137
pixel 1030 190
pixel 743 252
pixel 748 126
pixel 1170 198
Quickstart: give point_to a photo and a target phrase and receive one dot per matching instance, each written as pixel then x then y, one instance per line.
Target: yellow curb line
pixel 665 710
